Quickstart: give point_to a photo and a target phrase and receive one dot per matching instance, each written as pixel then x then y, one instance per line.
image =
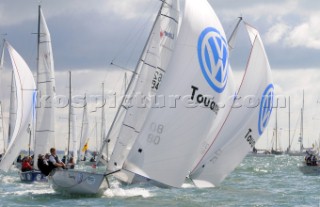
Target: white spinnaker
pixel 45 118
pixel 244 124
pixel 25 105
pixel 153 67
pixel 2 139
pixel 84 138
pixel 165 149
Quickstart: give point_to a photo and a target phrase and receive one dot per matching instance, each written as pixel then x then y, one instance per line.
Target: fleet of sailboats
pixel 186 60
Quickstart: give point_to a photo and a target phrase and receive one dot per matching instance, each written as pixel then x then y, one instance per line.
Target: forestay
pixel 45 118
pixel 25 106
pixel 196 82
pixel 245 123
pixel 151 69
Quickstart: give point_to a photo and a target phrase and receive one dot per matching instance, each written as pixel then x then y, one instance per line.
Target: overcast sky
pixel 88 35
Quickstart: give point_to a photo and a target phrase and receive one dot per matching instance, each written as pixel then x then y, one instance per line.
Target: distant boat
pixel 301 151
pixel 275 146
pixel 26 93
pixel 311 164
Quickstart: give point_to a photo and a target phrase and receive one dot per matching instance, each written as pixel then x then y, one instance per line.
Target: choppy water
pixel 258 181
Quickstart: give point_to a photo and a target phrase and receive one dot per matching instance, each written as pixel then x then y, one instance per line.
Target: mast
pixel 103 118
pixel 105 141
pixel 96 129
pixel 276 147
pixel 302 111
pixel 289 132
pixel 30 136
pixel 69 117
pixel 82 127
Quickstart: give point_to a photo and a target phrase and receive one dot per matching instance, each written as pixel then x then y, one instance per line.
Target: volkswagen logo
pixel 213 57
pixel 266 106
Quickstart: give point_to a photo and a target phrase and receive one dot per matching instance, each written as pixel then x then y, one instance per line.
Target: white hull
pixel 131 178
pixel 77 182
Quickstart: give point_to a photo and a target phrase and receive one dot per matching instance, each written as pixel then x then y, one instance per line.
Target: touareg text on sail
pixel 207 101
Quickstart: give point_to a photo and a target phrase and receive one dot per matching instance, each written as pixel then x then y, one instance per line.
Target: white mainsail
pixel 151 69
pixel 2 137
pixel 45 118
pixel 200 75
pixel 26 92
pixel 244 125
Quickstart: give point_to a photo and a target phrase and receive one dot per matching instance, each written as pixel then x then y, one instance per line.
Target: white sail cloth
pixel 151 70
pixel 244 125
pixel 200 76
pixel 45 113
pixel 26 94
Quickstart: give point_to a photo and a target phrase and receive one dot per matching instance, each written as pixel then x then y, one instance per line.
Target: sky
pixel 88 35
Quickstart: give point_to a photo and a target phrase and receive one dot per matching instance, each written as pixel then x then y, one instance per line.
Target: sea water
pixel 257 181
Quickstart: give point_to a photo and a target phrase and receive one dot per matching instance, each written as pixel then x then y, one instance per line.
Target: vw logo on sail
pixel 266 106
pixel 213 58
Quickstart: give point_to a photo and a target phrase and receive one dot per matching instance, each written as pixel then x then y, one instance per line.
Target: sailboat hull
pixel 310 170
pixel 77 182
pixel 32 176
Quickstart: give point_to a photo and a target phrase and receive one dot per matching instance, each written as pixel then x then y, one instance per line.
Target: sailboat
pixel 164 143
pixel 275 146
pixel 301 151
pixel 188 58
pixel 43 134
pixel 76 181
pixel 146 60
pixel 25 94
pixel 243 125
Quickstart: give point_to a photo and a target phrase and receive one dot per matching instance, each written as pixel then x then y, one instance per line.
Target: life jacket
pixel 26 166
pixel 51 165
pixel 45 169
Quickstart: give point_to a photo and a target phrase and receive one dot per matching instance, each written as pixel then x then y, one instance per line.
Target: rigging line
pixel 122 68
pixel 173 19
pixel 137 30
